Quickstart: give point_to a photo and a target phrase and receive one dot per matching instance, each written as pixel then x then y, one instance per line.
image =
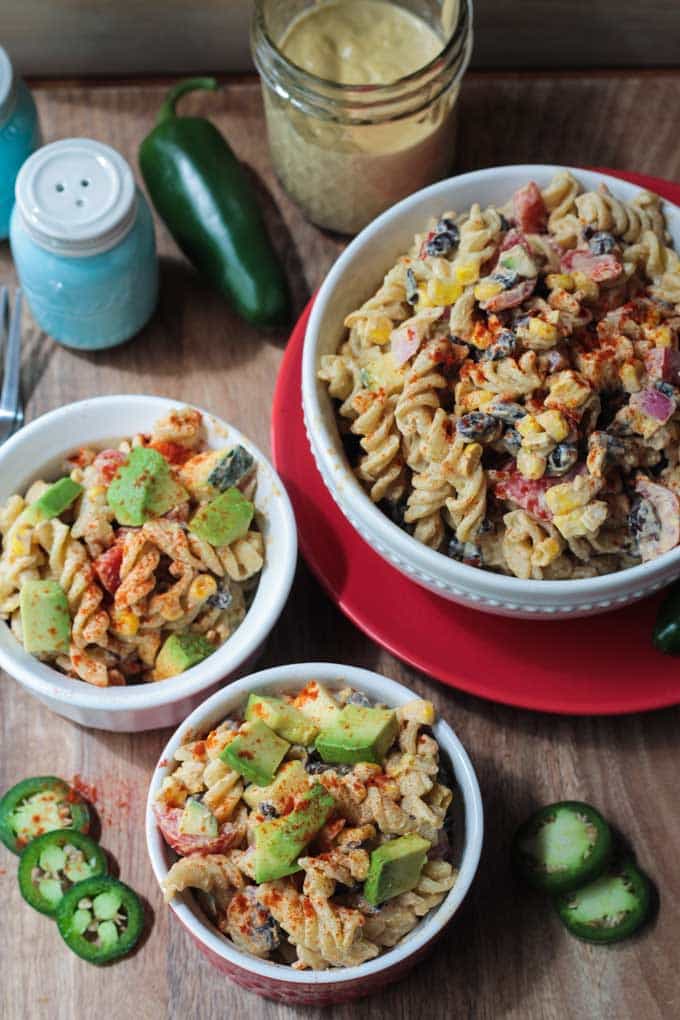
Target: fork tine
pixel 4 314
pixel 9 398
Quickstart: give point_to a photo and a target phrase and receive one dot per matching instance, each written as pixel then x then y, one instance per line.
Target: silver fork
pixel 11 407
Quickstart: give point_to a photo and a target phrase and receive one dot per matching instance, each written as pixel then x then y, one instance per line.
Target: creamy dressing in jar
pixel 359 97
pixel 360 42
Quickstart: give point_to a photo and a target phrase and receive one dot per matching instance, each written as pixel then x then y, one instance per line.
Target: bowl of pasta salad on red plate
pixel 491 388
pixel 315 828
pixel 147 551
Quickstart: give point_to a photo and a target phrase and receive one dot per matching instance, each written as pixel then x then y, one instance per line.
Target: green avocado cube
pixel 181 651
pixel 279 842
pixel 54 500
pixel 395 868
pixel 45 618
pixel 164 493
pixel 317 704
pixel 143 487
pixel 291 782
pixel 224 519
pixel 358 734
pixel 255 752
pixel 282 717
pixel 197 820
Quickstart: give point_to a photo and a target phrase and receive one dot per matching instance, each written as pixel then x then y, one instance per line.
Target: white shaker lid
pixel 76 197
pixel 7 87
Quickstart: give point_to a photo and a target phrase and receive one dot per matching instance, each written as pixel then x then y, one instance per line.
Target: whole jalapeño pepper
pixel 202 193
pixel 667 628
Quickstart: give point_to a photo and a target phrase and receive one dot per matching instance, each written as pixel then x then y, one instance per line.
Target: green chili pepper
pixel 608 909
pixel 52 863
pixel 37 805
pixel 667 628
pixel 100 919
pixel 562 846
pixel 201 191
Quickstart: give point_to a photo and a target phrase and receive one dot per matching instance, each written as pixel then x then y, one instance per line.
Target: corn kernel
pixel 541 330
pixel 528 426
pixel 380 331
pixel 661 336
pixel 441 292
pixel 630 375
pixel 95 491
pixel 125 622
pixel 589 289
pixel 202 587
pixel 21 541
pixel 467 272
pixel 560 281
pixel 486 289
pixel 545 552
pixel 562 499
pixel 555 424
pixel 530 465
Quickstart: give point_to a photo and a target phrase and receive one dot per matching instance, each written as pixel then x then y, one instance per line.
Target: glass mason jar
pixel 19 135
pixel 83 244
pixel 345 153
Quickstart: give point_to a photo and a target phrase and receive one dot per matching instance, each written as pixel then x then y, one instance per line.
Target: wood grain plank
pixel 506 956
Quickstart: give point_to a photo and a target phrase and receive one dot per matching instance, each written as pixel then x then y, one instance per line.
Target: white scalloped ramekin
pixel 273 980
pixel 38 451
pixel 354 277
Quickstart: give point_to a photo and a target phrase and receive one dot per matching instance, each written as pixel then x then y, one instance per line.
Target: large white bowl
pixel 38 451
pixel 354 277
pixel 275 980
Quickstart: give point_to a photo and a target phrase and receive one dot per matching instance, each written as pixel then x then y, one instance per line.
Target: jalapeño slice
pixel 52 863
pixel 609 908
pixel 38 805
pixel 562 846
pixel 100 919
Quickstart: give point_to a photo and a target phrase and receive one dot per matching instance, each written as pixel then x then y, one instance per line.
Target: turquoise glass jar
pixel 19 135
pixel 83 244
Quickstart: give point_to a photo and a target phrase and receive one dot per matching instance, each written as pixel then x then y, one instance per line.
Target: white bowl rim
pixel 325 444
pixel 392 693
pixel 44 681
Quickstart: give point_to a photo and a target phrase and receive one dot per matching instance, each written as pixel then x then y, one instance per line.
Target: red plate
pixel 595 666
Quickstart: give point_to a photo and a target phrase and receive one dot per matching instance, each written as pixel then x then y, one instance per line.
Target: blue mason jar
pixel 83 244
pixel 19 135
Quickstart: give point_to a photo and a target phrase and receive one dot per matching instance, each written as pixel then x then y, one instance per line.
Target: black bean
pixel 445 238
pixel 512 441
pixel 478 427
pixel 269 933
pixel 464 552
pixel 411 287
pixel 601 243
pixel 395 510
pixel 643 520
pixel 267 809
pixel 222 598
pixel 506 411
pixel 504 346
pixel 505 225
pixel 507 279
pixel 562 458
pixel 314 764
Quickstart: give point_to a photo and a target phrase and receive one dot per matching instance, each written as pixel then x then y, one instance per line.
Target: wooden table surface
pixel 506 955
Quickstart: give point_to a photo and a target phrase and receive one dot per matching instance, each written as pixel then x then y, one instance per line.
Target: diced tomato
pixel 168 819
pixel 107 567
pixel 174 453
pixel 510 298
pixel 530 212
pixel 599 268
pixel 529 495
pixel 107 463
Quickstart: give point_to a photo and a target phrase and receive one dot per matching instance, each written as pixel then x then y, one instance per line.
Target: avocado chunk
pixel 45 618
pixel 54 500
pixel 180 652
pixel 290 783
pixel 197 820
pixel 317 704
pixel 395 868
pixel 255 752
pixel 224 519
pixel 283 718
pixel 279 842
pixel 143 487
pixel 358 734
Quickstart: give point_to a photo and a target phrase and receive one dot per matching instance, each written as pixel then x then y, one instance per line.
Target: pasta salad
pixel 137 563
pixel 314 828
pixel 509 396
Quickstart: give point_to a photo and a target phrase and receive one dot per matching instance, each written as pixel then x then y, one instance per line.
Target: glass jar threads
pixel 19 135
